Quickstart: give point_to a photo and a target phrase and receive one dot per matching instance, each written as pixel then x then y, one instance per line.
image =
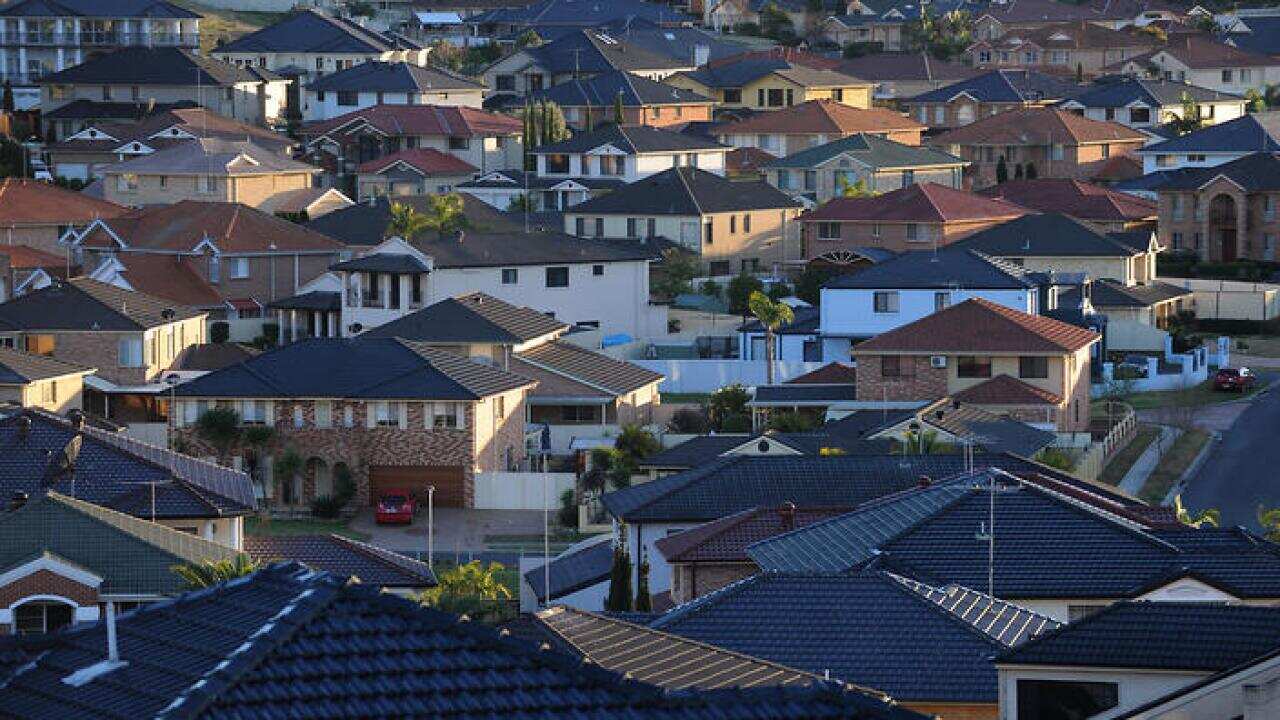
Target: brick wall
pixel 40 237
pixel 918 381
pixel 892 236
pixel 45 582
pixel 693 580
pixel 100 350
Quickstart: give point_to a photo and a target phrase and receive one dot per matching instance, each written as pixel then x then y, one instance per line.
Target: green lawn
pixel 1202 394
pixel 255 526
pixel 1175 461
pixel 1124 460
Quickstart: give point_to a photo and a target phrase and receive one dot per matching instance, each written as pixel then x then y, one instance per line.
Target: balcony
pixel 106 38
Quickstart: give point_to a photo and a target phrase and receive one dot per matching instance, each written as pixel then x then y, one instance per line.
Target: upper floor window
pixel 386 414
pixel 557 277
pixel 459 143
pixel 510 276
pixel 1033 367
pixel 41 616
pixel 556 163
pixel 941 301
pixel 254 412
pixel 885 301
pixel 129 351
pixel 40 344
pixel 445 415
pixel 828 231
pixel 973 366
pixel 238 267
pixel 348 97
pixel 324 413
pixel 733 96
pixel 128 182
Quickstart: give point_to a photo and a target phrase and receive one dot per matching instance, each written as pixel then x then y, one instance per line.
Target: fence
pixel 704 376
pixel 1095 459
pixel 1231 299
pixel 521 490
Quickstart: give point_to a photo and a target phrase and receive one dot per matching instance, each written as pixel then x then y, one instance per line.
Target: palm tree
pixel 445 214
pixel 1209 517
pixel 772 315
pixel 211 572
pixel 472 589
pixel 406 222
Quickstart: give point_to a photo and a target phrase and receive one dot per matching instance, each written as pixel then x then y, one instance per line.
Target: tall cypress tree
pixel 619 599
pixel 644 601
pixel 617 108
pixel 545 139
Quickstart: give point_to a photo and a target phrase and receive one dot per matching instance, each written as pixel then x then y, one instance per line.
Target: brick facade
pixel 1078 162
pixel 890 236
pixel 1221 222
pixel 693 580
pixel 46 582
pixel 917 379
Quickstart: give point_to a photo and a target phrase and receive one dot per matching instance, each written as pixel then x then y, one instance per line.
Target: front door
pixel 1228 245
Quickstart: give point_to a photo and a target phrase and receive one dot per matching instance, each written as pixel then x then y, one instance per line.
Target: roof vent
pixel 24 426
pixel 924 481
pixel 787 513
pixel 18 500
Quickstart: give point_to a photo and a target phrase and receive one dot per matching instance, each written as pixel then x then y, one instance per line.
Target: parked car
pixel 395 507
pixel 1237 380
pixel 1134 366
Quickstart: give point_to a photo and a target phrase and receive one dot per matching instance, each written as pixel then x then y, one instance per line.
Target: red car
pixel 395 507
pixel 1237 380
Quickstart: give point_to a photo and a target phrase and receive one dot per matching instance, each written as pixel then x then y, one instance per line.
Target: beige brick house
pixel 1078 47
pixel 41 382
pixel 37 214
pixel 1029 367
pixel 388 413
pixel 1224 213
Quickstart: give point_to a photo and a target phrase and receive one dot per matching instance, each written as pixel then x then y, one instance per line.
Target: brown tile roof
pixel 398 120
pixel 1200 52
pixel 746 159
pixel 25 257
pixel 825 117
pixel 172 277
pixel 726 540
pixel 28 202
pixel 590 368
pixel 1075 198
pixel 791 55
pixel 193 121
pixel 921 202
pixel 1075 36
pixel 555 385
pixel 1039 11
pixel 980 327
pixel 233 227
pixel 906 67
pixel 1119 167
pixel 1006 390
pixel 1037 126
pixel 427 160
pixel 833 373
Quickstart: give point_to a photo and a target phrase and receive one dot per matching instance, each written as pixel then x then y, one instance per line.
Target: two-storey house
pixel 1204 62
pixel 593 163
pixel 1082 47
pixel 1103 209
pixel 1225 212
pixel 388 414
pixel 816 122
pixel 900 75
pixel 577 54
pixel 589 102
pixel 375 83
pixel 980 96
pixel 1213 145
pixel 1143 103
pixel 421 171
pixel 40 381
pixel 772 81
pixel 828 171
pixel 37 214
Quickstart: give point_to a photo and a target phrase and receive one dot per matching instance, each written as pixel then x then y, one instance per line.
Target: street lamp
pixel 431 517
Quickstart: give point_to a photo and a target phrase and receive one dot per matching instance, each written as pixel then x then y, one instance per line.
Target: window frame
pixel 972 367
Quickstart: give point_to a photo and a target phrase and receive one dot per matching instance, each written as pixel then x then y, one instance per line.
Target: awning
pixel 241 304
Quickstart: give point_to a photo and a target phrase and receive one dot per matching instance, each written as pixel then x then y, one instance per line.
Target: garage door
pixel 450 483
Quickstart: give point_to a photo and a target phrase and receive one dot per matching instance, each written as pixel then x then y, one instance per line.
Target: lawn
pixel 1124 460
pixel 1202 394
pixel 1175 461
pixel 255 526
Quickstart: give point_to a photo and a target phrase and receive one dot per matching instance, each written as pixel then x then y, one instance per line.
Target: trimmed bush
pixel 219 332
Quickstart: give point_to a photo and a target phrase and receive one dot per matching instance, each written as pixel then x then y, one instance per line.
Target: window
pixel 791 99
pixel 733 96
pixel 631 227
pixel 1106 150
pixel 510 276
pixel 319 63
pixel 913 232
pixel 506 83
pixel 1197 239
pixel 299 419
pixel 896 366
pixel 597 270
pixel 128 182
pixel 49 391
pixel 557 277
pixel 1058 152
pixel 908 177
pixel 1164 161
pixel 1177 240
pixel 1226 76
pixel 709 232
pixel 324 413
pixel 775 97
pixel 984 56
pixel 1195 158
pixel 810 179
pixel 444 415
pixel 718 267
pixel 1140 116
pixel 784 179
pixel 651 227
pixel 386 414
pixel 39 344
pixel 941 301
pixel 557 163
pixel 254 412
pixel 207 184
pixel 500 407
pixel 733 224
pixel 462 143
pixel 746 223
pixel 886 301
pixel 39 617
pixel 940 114
pixel 838 94
pixel 1175 204
pixel 129 351
pixel 348 97
pixel 238 267
pixel 599 227
pixel 973 366
pixel 1064 699
pixel 1269 207
pixel 1033 367
pixel 348 416
pixel 828 231
pixel 580 227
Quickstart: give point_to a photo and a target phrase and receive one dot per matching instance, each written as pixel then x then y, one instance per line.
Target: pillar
pixel 293 324
pixel 280 337
pixel 333 323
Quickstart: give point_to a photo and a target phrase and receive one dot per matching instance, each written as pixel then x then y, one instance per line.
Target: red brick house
pixel 816 122
pixel 1105 210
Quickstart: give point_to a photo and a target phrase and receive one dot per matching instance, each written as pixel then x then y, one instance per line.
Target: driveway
pixel 1241 472
pixel 456 530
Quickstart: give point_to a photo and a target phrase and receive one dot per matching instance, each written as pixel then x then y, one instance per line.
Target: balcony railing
pixel 100 39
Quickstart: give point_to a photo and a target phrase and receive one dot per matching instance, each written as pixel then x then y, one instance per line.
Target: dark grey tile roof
pixel 308 31
pixel 1109 293
pixel 19 368
pixel 1045 235
pixel 573 570
pixel 211 356
pixel 992 432
pixel 631 139
pixel 83 109
pixel 156 66
pixel 948 268
pixel 802 394
pixel 383 262
pixel 694 451
pixel 687 191
pixel 475 317
pixel 519 180
pixel 1004 86
pixel 1253 132
pixel 600 371
pixel 1256 172
pixel 589 51
pixel 602 90
pixel 84 304
pixel 116 471
pixel 1158 636
pixel 1156 93
pixel 873 150
pixel 97 9
pixel 314 300
pixel 393 77
pixel 377 368
pixel 1263 36
pixel 744 71
pixel 343 557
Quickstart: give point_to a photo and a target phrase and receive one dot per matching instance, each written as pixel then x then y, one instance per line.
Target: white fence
pixel 521 490
pixel 704 376
pixel 150 433
pixel 1194 370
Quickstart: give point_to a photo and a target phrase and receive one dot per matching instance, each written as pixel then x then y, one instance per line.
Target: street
pixel 1243 470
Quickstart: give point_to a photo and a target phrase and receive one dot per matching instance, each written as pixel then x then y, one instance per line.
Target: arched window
pixel 42 616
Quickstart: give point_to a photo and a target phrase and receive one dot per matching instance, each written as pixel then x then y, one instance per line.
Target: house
pixel 228 260
pixel 827 171
pixel 770 81
pixel 594 163
pixel 487 141
pixel 1204 62
pixel 995 20
pixel 241 661
pixel 557 17
pixel 917 216
pixel 387 413
pixel 728 224
pixel 85 151
pixel 746 164
pixel 70 559
pixel 816 122
pixel 864 30
pixel 1081 47
pixel 128 336
pixel 50 38
pixel 39 381
pixel 593 101
pixel 1104 210
pixel 577 54
pixel 206 169
pixel 970 345
pixel 26 268
pixel 37 214
pixel 81 114
pixel 1213 145
pixel 1142 103
pixel 1056 143
pixel 303 204
pixel 308 45
pixel 338 554
pixel 122 475
pixel 949 423
pixel 1255 32
pixel 251 95
pixel 376 83
pixel 420 171
pixel 1139 317
pixel 1224 212
pixel 1118 661
pixel 899 75
pixel 579 391
pixel 544 270
pixel 990 93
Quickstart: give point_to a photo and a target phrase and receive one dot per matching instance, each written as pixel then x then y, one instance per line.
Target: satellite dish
pixel 64 462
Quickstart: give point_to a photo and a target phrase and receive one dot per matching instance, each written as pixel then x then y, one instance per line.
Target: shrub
pixel 219 332
pixel 1056 458
pixel 726 402
pixel 568 513
pixel 327 506
pixel 738 423
pixel 711 288
pixel 790 422
pixel 740 289
pixel 689 420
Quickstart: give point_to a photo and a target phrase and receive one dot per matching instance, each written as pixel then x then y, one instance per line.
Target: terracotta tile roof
pixel 28 202
pixel 1006 390
pixel 1037 126
pixel 833 373
pixel 25 257
pixel 980 327
pixel 426 160
pixel 791 55
pixel 1080 35
pixel 905 67
pixel 176 125
pixel 172 277
pixel 233 227
pixel 398 120
pixel 1075 198
pixel 726 540
pixel 746 159
pixel 825 117
pixel 921 202
pixel 1120 167
pixel 1199 52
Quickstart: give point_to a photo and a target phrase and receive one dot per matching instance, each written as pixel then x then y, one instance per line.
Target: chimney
pixel 24 427
pixel 113 650
pixel 787 513
pixel 924 481
pixel 18 500
pixel 77 418
pixel 701 54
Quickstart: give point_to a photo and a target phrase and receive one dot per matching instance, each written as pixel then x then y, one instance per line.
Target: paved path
pixel 1147 461
pixel 456 530
pixel 1243 469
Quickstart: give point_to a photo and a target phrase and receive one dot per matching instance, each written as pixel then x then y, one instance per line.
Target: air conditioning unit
pixel 938 361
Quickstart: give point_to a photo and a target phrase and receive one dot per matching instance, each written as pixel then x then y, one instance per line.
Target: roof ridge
pixel 892 581
pixel 686 609
pixel 129 525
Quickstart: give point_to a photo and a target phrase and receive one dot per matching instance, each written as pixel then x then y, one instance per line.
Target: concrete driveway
pixel 456 530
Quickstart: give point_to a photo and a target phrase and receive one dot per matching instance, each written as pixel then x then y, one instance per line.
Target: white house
pixel 1215 144
pixel 377 83
pixel 1203 62
pixel 1145 103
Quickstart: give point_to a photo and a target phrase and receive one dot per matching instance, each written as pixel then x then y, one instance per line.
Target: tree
pixel 677 269
pixel 473 589
pixel 739 292
pixel 527 138
pixel 636 443
pixel 1187 120
pixel 6 101
pixel 711 288
pixel 619 117
pixel 855 189
pixel 727 403
pixel 520 203
pixel 1017 171
pixel 1031 171
pixel 1255 102
pixel 406 222
pixel 211 572
pixel 790 421
pixel 779 290
pixel 644 601
pixel 809 283
pixel 1210 516
pixel 772 315
pixel 446 214
pixel 528 39
pixel 1270 522
pixel 220 427
pixel 620 597
pixel 1002 171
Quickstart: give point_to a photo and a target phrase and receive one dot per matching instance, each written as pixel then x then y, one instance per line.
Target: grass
pixel 226 24
pixel 255 526
pixel 1124 460
pixel 1171 466
pixel 1202 394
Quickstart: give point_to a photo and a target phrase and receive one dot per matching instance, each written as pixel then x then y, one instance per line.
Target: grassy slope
pixel 226 24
